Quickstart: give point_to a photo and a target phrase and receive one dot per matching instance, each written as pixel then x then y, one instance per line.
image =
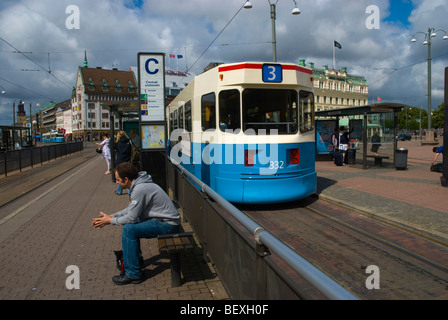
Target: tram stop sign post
pixel 153 128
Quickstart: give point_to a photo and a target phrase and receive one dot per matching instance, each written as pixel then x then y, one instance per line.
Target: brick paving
pixel 39 241
pixel 413 197
pixel 55 232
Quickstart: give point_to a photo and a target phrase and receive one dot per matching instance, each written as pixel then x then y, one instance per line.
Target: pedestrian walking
pixel 105 154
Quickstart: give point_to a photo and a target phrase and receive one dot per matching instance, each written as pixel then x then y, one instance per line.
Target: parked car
pixel 404 137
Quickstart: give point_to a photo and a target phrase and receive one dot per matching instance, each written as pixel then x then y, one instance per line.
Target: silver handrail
pixel 327 286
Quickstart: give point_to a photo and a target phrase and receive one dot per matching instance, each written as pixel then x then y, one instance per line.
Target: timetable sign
pixel 152 86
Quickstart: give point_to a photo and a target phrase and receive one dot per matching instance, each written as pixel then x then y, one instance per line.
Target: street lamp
pixel 295 11
pixel 432 33
pixel 3 90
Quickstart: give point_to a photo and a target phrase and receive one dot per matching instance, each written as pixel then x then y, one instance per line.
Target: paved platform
pixel 413 197
pixel 49 231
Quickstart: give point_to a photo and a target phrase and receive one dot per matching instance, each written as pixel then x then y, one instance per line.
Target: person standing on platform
pixel 150 213
pixel 136 145
pixel 343 143
pixel 376 142
pixel 105 154
pixel 123 149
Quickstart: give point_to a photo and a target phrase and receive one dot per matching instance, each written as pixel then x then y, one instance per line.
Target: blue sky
pixel 114 31
pixel 400 10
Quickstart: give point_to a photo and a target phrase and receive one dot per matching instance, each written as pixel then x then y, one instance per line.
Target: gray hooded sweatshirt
pixel 147 201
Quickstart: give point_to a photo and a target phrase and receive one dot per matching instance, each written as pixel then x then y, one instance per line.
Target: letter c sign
pixel 147 66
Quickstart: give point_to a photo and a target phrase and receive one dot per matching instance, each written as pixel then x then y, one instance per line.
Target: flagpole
pixel 334 58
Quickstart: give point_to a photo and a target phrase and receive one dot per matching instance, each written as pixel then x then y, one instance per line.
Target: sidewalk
pixel 50 229
pixel 46 234
pixel 413 197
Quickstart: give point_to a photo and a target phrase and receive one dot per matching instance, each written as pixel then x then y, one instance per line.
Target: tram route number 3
pixel 272 73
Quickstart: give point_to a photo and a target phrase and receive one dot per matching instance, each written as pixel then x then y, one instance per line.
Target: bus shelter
pixel 15 138
pixel 372 132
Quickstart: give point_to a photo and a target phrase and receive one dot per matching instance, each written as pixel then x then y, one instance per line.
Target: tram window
pixel 270 109
pixel 306 111
pixel 181 117
pixel 188 118
pixel 175 125
pixel 208 111
pixel 229 110
pixel 171 122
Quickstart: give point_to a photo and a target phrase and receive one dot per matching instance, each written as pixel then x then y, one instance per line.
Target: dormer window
pixel 105 87
pixel 91 86
pixel 117 86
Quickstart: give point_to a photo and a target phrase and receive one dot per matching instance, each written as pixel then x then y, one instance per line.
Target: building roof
pixel 369 109
pixel 95 79
pixel 339 75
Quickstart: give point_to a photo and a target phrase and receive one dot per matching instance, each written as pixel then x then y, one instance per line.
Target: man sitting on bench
pixel 150 213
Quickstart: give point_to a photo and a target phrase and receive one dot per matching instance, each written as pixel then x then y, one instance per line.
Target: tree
pixel 409 118
pixel 437 118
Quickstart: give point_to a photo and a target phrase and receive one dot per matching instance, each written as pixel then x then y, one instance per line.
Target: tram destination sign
pixel 151 69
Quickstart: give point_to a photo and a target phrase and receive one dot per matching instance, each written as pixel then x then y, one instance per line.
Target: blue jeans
pixel 130 239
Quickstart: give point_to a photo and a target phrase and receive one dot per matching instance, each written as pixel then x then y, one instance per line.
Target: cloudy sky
pixel 38 36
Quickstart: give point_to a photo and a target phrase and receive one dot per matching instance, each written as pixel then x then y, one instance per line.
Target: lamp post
pixel 431 33
pixel 3 90
pixel 295 11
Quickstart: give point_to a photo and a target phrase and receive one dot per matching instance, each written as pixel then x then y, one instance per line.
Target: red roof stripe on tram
pixel 240 66
pixel 259 66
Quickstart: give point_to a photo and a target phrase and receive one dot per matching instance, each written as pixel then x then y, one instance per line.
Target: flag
pixel 379 99
pixel 337 45
pixel 179 56
pixel 172 55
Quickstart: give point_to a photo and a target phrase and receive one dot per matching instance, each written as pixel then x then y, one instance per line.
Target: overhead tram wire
pixel 405 67
pixel 208 47
pixel 37 64
pixel 18 85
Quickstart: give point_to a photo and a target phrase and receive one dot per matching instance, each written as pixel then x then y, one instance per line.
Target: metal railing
pixel 250 260
pixel 16 160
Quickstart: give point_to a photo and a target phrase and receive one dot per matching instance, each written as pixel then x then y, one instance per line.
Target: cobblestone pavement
pixel 46 238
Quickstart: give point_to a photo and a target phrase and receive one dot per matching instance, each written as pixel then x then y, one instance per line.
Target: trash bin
pixel 351 156
pixel 401 158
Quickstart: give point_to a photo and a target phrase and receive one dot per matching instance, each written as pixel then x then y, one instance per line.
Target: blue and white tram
pixel 53 136
pixel 247 131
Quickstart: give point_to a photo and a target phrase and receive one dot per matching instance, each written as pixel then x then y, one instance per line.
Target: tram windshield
pixel 270 109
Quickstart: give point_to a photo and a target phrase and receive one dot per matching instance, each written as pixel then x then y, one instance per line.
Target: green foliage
pixel 412 115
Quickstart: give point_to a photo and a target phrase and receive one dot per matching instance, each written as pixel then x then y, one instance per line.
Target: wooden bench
pixel 378 159
pixel 174 244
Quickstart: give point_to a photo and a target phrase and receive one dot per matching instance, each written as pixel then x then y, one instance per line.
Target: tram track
pixel 385 242
pixel 343 243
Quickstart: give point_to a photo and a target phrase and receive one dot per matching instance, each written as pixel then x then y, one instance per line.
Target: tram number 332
pixel 274 165
pixel 272 73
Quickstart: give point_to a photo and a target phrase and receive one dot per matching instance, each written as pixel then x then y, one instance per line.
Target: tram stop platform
pixel 47 239
pixel 413 197
pixel 47 233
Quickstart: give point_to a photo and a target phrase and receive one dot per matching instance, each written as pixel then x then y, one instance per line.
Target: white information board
pixel 152 86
